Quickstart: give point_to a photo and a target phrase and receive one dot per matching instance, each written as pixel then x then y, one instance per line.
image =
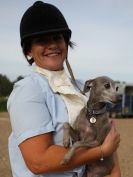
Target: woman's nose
pixel 52 45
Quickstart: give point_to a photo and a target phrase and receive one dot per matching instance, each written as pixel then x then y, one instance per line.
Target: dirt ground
pixel 125 151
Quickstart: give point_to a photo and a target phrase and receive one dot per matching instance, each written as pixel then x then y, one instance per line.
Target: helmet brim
pixel 61 30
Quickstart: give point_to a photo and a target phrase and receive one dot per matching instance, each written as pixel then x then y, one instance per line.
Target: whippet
pixel 92 124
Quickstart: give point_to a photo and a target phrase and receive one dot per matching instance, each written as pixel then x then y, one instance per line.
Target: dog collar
pixel 91 113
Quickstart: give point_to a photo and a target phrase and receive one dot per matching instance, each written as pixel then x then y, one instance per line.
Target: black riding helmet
pixel 42 18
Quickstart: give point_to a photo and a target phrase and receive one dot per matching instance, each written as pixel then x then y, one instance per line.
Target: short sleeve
pixel 28 111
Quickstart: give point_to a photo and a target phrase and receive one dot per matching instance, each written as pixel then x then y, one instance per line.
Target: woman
pixel 40 104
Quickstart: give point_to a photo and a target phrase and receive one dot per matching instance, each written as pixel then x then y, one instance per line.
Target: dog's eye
pixel 117 88
pixel 107 85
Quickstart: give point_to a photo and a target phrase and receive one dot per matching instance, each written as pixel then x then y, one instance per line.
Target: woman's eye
pixel 46 39
pixel 57 37
pixel 41 40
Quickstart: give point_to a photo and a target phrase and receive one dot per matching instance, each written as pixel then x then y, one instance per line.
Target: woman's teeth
pixel 52 54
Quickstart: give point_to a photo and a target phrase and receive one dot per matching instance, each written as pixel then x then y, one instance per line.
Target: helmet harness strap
pixel 72 75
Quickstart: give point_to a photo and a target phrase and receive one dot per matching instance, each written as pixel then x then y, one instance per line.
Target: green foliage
pixel 3 103
pixel 6 86
pixel 18 78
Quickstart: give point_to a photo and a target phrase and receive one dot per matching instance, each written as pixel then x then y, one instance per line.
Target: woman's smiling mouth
pixel 52 54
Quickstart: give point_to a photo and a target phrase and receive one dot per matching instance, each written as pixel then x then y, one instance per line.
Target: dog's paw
pixel 66 143
pixel 66 159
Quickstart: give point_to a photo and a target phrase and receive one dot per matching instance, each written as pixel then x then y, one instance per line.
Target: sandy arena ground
pixel 125 150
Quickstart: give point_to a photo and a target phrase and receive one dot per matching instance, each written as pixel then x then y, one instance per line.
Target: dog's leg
pixel 66 134
pixel 75 146
pixel 69 134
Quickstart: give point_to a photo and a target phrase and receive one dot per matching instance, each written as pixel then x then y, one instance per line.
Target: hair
pixel 26 47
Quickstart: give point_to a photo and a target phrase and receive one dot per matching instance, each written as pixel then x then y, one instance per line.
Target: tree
pixel 6 86
pixel 18 78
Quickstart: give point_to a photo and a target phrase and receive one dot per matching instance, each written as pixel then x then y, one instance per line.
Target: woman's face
pixel 49 52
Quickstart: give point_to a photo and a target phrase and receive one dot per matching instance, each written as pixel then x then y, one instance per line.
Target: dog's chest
pixel 90 130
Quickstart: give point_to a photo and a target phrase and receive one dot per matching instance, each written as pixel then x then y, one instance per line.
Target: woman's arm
pixel 42 156
pixel 116 168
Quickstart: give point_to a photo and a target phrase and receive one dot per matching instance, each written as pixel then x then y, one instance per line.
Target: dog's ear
pixel 88 85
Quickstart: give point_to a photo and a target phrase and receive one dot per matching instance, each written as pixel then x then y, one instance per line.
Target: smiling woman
pixel 42 102
pixel 49 52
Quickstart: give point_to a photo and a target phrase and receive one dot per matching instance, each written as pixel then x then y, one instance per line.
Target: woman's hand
pixel 111 142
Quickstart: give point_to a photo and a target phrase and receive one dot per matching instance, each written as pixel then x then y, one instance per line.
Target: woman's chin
pixel 57 68
pixel 53 68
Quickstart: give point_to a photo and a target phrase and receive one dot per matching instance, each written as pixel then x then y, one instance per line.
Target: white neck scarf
pixel 60 83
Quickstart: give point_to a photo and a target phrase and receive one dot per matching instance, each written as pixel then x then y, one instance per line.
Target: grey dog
pixel 92 124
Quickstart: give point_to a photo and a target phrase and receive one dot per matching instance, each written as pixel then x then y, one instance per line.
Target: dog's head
pixel 102 89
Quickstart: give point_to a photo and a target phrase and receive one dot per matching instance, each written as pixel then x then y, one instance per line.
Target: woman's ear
pixel 29 55
pixel 88 85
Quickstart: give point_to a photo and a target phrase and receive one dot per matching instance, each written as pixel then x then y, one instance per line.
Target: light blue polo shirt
pixel 34 109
